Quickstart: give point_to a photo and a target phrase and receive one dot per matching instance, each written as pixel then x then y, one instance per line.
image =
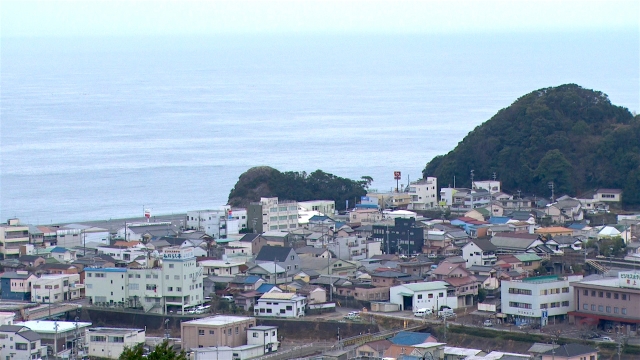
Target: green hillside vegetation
pixel 266 181
pixel 569 135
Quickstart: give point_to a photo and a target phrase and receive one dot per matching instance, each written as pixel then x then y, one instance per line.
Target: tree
pixel 161 352
pixel 482 294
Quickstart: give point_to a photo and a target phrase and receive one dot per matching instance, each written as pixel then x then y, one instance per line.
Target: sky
pixel 31 18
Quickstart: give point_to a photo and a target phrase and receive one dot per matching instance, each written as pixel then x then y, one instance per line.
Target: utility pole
pixel 552 187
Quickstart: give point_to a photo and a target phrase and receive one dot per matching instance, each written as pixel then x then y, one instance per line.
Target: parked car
pixel 422 312
pixel 354 315
pixel 606 339
pixel 487 323
pixel 446 313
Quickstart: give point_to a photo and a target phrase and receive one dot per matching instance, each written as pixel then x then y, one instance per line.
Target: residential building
pixel 571 352
pixel 608 302
pixel 462 199
pixel 330 266
pixel 465 289
pixel 20 343
pixel 219 330
pixel 32 261
pixel 272 273
pixel 217 223
pixel 109 343
pixel 449 269
pixel 312 252
pixel 266 336
pixel 390 200
pixel 424 194
pixel 364 216
pixel 175 285
pixel 508 243
pixel 146 231
pixel 60 337
pixel 63 254
pixel 492 186
pixel 16 285
pixel 404 237
pixel 283 305
pixel 536 300
pixel 430 295
pixel 7 317
pixel 554 231
pixel 54 288
pixel 69 237
pixel 256 242
pixel 13 235
pixel 324 207
pixel 479 252
pixel 373 349
pixel 272 214
pixel 348 248
pixel 213 352
pixel 286 257
pixel 221 267
pixel 392 278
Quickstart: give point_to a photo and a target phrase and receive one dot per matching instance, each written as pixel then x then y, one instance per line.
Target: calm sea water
pixel 97 128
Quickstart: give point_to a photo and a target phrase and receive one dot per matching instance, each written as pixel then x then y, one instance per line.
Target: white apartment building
pixel 69 237
pixel 55 288
pixel 217 223
pixel 271 214
pixel 221 267
pixel 12 236
pixel 284 305
pixel 174 286
pixel 125 254
pixel 109 343
pixel 536 300
pixel 324 207
pixel 479 252
pixel 267 336
pixel 348 248
pixel 424 194
pixel 20 343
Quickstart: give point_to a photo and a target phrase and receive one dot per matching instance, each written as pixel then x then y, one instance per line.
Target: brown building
pixel 219 330
pixel 611 303
pixel 393 278
pixel 364 292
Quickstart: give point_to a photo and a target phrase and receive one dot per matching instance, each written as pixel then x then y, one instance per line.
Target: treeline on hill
pixel 265 181
pixel 567 135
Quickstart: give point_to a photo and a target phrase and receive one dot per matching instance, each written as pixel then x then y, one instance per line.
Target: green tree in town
pixel 161 352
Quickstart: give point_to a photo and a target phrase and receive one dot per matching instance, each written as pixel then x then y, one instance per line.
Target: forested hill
pixel 266 181
pixel 569 135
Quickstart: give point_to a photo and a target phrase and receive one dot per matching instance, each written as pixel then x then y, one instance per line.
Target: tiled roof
pixel 273 253
pixel 571 350
pixel 409 338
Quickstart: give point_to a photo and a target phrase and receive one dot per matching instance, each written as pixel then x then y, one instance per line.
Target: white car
pixel 422 312
pixel 606 338
pixel 487 323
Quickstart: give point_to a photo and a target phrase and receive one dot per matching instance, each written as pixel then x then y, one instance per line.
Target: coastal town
pixel 418 272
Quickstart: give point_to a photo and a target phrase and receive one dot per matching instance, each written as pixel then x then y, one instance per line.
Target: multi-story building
pixel 219 330
pixel 325 207
pixel 12 236
pixel 55 288
pixel 175 285
pixel 348 248
pixel 284 305
pixel 492 186
pixel 267 336
pixel 271 214
pixel 535 300
pixel 217 223
pixel 609 301
pixel 20 343
pixel 479 252
pixel 16 285
pixel 60 337
pixel 109 343
pixel 403 238
pixel 462 199
pixel 424 194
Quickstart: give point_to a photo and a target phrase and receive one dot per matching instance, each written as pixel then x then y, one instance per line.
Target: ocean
pixel 98 128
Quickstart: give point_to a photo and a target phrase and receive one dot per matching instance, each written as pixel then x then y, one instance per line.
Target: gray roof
pixel 570 350
pixel 249 237
pixel 14 275
pixel 10 328
pixel 565 240
pixel 310 250
pixel 274 253
pixel 29 335
pixel 484 245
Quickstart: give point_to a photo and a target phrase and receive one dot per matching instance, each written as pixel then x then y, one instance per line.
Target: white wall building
pixel 213 352
pixel 220 267
pixel 492 186
pixel 6 318
pixel 479 252
pixel 122 253
pixel 217 223
pixel 271 214
pixel 176 285
pixel 20 343
pixel 348 248
pixel 324 207
pixel 424 194
pixel 535 300
pixel 55 288
pixel 266 336
pixel 284 305
pixel 431 295
pixel 109 343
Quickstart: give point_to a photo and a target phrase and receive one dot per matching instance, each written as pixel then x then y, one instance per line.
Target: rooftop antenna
pixel 552 187
pixel 494 176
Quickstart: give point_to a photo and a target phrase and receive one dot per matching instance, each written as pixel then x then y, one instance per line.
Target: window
pixel 134 286
pixel 430 296
pixel 586 293
pixel 624 296
pixel 419 297
pixel 624 311
pixel 176 277
pixel 255 334
pixel 593 308
pixel 89 286
pixel 211 332
pixel 593 293
pixel 600 293
pixel 616 310
pixel 585 306
pixel 289 307
pixel 565 303
pixel 98 338
pixel 282 311
pixel 236 330
pixel 608 309
pixel 170 288
pixel 20 346
pixel 565 290
pixel 543 306
pixel 616 296
pixel 201 332
pixel 178 289
pixel 600 308
pixel 608 295
pixel 170 266
pixel 88 274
